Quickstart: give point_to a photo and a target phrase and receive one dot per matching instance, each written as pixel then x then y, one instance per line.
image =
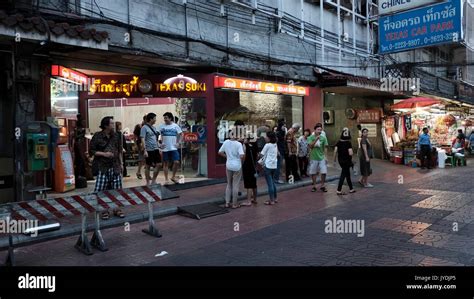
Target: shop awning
pixel 354 85
pixel 415 103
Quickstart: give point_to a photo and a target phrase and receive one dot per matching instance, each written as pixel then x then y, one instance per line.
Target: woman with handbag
pixel 269 161
pixel 343 152
pixel 250 171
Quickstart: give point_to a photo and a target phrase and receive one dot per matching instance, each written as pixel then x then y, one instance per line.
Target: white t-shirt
pixel 169 134
pixel 271 158
pixel 233 150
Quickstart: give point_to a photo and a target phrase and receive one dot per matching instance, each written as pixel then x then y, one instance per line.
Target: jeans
pixel 233 181
pixel 269 177
pixel 345 175
pixel 276 176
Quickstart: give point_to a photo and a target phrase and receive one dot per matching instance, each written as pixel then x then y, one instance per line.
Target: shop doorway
pixel 189 113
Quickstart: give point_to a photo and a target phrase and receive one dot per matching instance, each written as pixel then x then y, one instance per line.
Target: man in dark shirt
pixel 106 147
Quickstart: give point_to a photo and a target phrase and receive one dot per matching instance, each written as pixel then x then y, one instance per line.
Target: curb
pixel 75 229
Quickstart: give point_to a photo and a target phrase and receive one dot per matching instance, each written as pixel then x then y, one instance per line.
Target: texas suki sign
pixel 422 27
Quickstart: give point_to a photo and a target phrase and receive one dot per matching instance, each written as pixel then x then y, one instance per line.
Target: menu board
pixel 64 179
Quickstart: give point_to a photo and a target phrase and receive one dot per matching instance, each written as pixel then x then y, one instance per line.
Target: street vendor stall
pixel 443 119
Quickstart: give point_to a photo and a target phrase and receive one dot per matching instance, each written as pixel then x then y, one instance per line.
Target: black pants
pixel 425 156
pixel 291 167
pixel 345 175
pixel 303 164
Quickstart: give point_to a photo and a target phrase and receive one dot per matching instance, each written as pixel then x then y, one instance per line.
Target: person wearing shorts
pixel 170 136
pixel 318 163
pixel 151 150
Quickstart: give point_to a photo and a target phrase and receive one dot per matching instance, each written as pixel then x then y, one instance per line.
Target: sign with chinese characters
pixel 68 74
pixel 391 6
pixel 250 85
pixel 422 27
pixel 369 116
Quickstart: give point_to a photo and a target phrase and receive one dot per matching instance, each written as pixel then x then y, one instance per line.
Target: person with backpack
pixel 343 151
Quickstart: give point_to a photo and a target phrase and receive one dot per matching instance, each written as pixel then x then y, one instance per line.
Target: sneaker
pixel 369 185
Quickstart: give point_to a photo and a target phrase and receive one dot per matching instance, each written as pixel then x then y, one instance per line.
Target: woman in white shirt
pixel 233 151
pixel 270 159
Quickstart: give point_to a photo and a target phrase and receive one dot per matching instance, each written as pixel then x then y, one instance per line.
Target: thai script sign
pixel 423 27
pixel 244 84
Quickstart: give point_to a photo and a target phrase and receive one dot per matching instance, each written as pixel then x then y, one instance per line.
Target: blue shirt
pixel 424 140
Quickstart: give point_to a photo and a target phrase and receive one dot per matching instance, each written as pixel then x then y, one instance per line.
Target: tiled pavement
pixel 428 219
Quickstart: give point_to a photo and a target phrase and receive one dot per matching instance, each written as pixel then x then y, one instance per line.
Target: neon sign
pixel 69 74
pixel 243 84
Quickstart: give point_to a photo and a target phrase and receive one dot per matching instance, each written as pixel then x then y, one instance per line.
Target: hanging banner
pixel 423 27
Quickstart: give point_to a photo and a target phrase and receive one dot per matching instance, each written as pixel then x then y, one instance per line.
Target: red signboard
pixel 244 84
pixel 369 116
pixel 190 137
pixel 69 74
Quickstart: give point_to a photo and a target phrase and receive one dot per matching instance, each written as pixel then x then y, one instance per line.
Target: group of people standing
pixel 304 156
pixel 157 145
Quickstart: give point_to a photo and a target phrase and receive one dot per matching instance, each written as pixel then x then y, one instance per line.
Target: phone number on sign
pixel 427 40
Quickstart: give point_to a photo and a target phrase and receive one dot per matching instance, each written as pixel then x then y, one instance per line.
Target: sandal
pixel 119 213
pixel 341 193
pixel 139 176
pixel 314 189
pixel 174 180
pixel 236 206
pixel 105 215
pixel 323 189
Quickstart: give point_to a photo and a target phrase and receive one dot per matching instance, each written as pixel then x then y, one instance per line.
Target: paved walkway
pixel 408 220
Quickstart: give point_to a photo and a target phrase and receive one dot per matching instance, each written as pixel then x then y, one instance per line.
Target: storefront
pixel 259 104
pixel 202 103
pixel 442 117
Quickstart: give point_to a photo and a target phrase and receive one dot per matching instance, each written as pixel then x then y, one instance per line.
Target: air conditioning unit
pixel 328 117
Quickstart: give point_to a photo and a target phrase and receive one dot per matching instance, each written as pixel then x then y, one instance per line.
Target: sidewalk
pixel 136 214
pixel 182 235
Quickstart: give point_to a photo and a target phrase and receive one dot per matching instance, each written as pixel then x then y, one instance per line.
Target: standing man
pixel 291 160
pixel 171 137
pixel 281 144
pixel 107 151
pixel 150 148
pixel 424 148
pixel 317 159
